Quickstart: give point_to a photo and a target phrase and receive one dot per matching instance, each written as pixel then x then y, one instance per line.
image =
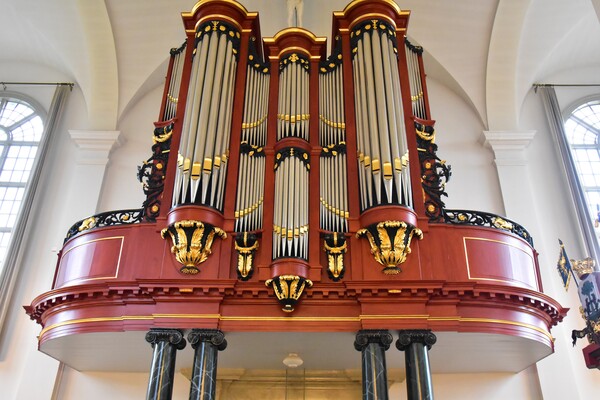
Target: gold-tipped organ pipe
pixel 190 122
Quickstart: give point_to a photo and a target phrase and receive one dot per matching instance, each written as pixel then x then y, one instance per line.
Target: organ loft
pixel 291 190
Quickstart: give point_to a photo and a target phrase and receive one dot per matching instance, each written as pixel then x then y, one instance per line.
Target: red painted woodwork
pixel 449 282
pixel 591 354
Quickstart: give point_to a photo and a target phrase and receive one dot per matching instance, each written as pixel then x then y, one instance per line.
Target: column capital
pixel 408 337
pixel 95 146
pixel 367 336
pixel 172 336
pixel 508 146
pixel 214 336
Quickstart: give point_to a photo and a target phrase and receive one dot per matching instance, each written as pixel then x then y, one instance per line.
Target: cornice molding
pixel 95 146
pixel 509 146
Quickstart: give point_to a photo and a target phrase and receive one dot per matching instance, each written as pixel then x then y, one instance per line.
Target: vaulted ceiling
pixel 488 52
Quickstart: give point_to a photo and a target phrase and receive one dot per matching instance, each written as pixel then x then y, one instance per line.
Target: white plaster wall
pixel 113 386
pixel 474 181
pixel 489 386
pixel 121 188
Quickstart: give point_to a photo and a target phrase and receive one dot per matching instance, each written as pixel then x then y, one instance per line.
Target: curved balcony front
pixel 471 284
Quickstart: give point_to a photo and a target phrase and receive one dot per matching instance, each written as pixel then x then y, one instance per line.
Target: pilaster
pixel 94 149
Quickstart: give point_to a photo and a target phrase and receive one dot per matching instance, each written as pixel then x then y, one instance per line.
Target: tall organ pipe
pixel 174 74
pixel 290 219
pixel 293 105
pixel 203 150
pixel 381 134
pixel 333 184
pixel 250 193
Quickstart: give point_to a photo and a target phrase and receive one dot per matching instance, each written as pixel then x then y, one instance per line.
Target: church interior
pixel 89 289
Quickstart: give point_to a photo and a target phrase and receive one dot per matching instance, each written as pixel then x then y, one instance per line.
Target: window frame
pixel 590 215
pixel 39 111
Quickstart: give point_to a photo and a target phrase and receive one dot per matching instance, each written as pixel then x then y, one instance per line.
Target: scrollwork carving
pixel 246 245
pixel 335 246
pixel 390 243
pixel 288 289
pixel 192 242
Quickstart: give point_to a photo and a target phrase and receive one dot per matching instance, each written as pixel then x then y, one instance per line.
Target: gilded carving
pixel 288 289
pixel 390 243
pixel 192 242
pixel 335 246
pixel 584 267
pixel 246 245
pixel 502 224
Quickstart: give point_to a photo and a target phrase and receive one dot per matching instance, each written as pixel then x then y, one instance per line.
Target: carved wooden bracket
pixel 192 242
pixel 390 243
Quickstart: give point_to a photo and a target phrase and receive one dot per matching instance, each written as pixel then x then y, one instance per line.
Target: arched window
pixel 21 130
pixel 582 130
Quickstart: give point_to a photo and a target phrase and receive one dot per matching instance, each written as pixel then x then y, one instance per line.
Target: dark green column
pixel 373 344
pixel 206 344
pixel 165 343
pixel 415 344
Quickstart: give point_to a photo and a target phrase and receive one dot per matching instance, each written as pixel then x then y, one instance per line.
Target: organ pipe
pixel 250 193
pixel 276 101
pixel 203 151
pixel 293 109
pixel 332 138
pixel 175 72
pixel 381 133
pixel 290 222
pixel 417 95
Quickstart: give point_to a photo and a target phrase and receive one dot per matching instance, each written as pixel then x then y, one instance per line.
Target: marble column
pixel 373 344
pixel 165 343
pixel 416 343
pixel 206 344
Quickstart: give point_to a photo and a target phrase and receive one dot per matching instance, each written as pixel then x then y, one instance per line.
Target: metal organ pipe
pixel 381 134
pixel 416 86
pixel 332 138
pixel 293 109
pixel 203 150
pixel 177 54
pixel 250 193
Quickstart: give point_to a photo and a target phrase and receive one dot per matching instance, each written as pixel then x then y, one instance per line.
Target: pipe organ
pixel 318 144
pixel 282 174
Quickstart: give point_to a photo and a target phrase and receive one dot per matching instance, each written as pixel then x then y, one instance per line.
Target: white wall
pixel 121 187
pixel 488 386
pixel 474 181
